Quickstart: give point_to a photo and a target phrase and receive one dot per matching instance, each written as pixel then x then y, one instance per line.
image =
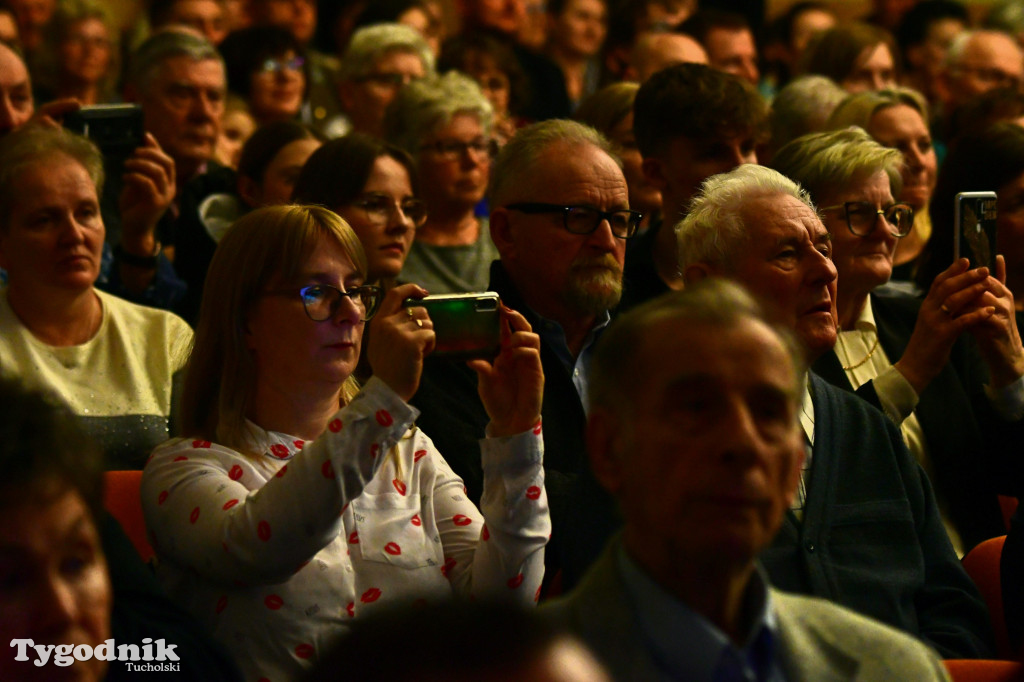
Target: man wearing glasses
pixel 560 219
pixel 979 61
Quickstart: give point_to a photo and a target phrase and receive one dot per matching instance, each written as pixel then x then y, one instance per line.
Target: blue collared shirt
pixel 552 334
pixel 688 647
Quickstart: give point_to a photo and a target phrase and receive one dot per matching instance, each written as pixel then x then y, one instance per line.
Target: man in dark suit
pixel 864 531
pixel 693 428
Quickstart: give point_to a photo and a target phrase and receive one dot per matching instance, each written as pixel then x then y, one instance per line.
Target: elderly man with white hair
pixel 864 530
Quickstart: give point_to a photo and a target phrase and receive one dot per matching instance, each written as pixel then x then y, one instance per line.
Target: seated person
pixel 298 501
pixel 60 546
pixel 857 56
pixel 113 362
pixel 373 186
pixel 694 430
pixel 266 66
pixel 902 354
pixel 444 123
pixel 864 530
pixel 268 167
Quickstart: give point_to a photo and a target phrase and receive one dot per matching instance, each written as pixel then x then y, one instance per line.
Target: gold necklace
pixel 867 357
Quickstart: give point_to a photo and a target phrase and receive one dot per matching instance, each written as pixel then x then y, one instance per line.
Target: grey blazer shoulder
pixel 822 641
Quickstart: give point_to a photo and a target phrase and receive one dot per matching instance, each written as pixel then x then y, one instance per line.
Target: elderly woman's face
pixel 85 52
pixel 277 88
pixel 291 351
pixel 863 262
pixel 455 163
pixel 367 98
pixel 378 216
pixel 902 128
pixel 54 587
pixel 874 70
pixel 54 235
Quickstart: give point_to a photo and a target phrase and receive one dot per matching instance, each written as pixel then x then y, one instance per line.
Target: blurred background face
pixel 734 52
pixel 428 20
pixel 298 16
pixel 366 98
pixel 504 16
pixel 580 29
pixel 874 70
pixel 492 80
pixel 280 176
pixel 85 51
pixel 54 587
pixel 807 25
pixel 205 16
pixel 455 163
pixel 902 127
pixel 8 27
pixel 236 126
pixel 643 196
pixel 385 231
pixel 277 88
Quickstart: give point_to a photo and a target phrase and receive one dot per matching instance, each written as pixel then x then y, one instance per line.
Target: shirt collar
pixel 685 643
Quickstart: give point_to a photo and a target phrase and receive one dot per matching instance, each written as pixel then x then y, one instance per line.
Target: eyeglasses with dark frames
pixel 322 301
pixel 585 219
pixel 861 215
pixel 378 208
pixel 279 65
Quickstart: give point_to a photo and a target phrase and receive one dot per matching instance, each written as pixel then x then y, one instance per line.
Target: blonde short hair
pixel 268 245
pixel 857 110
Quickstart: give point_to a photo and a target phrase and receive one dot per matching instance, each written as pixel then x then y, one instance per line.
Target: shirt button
pixel 810 547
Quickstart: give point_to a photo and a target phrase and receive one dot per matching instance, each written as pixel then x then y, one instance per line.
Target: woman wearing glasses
pixel 902 353
pixel 373 186
pixel 444 123
pixel 267 66
pixel 300 501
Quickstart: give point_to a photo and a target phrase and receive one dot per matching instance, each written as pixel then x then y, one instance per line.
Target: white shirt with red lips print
pixel 277 553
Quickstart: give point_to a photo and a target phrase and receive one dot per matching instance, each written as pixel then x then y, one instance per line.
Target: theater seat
pixel 966 670
pixel 121 498
pixel 982 564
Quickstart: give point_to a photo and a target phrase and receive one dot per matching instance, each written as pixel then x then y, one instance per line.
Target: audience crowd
pixel 742 413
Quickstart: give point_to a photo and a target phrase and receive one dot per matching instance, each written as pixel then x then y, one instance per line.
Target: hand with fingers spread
pixel 149 189
pixel 997 335
pixel 954 303
pixel 512 386
pixel 401 338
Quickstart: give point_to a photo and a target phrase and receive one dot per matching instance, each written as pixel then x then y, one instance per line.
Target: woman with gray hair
pixel 902 353
pixel 898 118
pixel 445 124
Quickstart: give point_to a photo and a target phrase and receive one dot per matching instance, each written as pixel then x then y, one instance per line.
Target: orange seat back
pixel 122 499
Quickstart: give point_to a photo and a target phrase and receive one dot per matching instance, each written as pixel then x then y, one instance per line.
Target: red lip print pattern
pixel 384 418
pixel 304 651
pixel 371 595
pixel 335 425
pixel 263 530
pixel 485 534
pixel 449 564
pixel 273 602
pixel 327 469
pixel 162 497
pixel 461 520
pixel 229 504
pixel 353 538
pixel 374 450
pixel 280 473
pixel 201 443
pixel 235 473
pixel 533 492
pixel 180 458
pixel 420 454
pixel 194 516
pixel 278 450
pixel 399 486
pixel 416 521
pixel 393 549
pixel 537 428
pixel 515 582
pixel 350 609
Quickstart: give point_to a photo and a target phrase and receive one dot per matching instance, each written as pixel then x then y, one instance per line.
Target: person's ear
pixel 697 272
pixel 654 172
pixel 604 436
pixel 249 190
pixel 502 234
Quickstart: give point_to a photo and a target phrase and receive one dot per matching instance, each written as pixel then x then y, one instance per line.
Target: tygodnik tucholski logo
pixel 63 655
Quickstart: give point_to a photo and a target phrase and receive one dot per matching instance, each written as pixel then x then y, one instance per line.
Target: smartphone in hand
pixel 466 326
pixel 974 228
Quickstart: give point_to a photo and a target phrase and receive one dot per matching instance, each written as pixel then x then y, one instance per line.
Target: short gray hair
pixel 372 42
pixel 518 157
pixel 164 45
pixel 714 230
pixel 425 105
pixel 826 162
pixel 34 143
pixel 803 106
